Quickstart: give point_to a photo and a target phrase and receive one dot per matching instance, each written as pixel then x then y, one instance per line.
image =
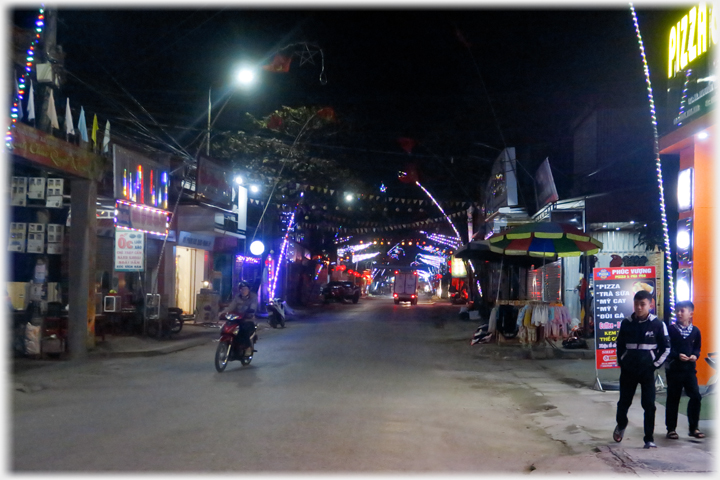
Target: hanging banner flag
pixel 51 113
pixel 69 127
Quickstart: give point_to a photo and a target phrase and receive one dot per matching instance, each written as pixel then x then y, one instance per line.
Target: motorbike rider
pixel 243 304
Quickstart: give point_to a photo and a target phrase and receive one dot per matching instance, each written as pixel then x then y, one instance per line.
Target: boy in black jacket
pixel 680 371
pixel 642 346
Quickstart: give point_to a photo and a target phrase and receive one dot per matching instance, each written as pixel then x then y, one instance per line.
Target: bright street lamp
pixel 254 188
pixel 245 77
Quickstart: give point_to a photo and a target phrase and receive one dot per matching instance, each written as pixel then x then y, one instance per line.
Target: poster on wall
pixel 614 289
pixel 129 251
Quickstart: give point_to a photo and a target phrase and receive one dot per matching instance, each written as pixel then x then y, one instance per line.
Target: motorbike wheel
pixel 272 320
pixel 222 356
pixel 282 321
pixel 245 360
pixel 175 325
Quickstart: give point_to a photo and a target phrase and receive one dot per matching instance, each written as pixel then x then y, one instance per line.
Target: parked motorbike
pixel 172 323
pixel 276 309
pixel 710 360
pixel 232 348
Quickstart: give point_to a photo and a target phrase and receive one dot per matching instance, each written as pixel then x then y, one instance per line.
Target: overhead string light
pixel 658 164
pixel 457 234
pixel 16 105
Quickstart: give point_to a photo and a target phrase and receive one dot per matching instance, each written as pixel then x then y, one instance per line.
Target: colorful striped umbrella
pixel 544 239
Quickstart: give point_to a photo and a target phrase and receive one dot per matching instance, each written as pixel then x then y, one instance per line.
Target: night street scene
pixel 467 238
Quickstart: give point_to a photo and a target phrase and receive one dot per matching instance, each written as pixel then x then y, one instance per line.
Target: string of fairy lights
pixel 283 249
pixel 457 234
pixel 16 105
pixel 666 235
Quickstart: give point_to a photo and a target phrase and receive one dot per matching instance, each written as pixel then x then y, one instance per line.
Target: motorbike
pixel 710 360
pixel 276 308
pixel 172 323
pixel 229 348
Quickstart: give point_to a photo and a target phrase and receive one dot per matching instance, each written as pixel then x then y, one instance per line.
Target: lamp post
pixel 245 77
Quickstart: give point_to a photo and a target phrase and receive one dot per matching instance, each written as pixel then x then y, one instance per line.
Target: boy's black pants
pixel 676 381
pixel 629 381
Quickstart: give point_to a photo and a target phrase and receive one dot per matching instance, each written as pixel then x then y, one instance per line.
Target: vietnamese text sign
pixel 614 289
pixel 129 251
pixel 43 148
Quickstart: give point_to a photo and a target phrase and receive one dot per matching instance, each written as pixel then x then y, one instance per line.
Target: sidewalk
pixel 581 414
pixel 123 346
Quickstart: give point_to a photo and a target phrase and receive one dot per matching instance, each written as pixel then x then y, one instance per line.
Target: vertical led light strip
pixel 16 107
pixel 666 235
pixel 283 249
pixel 165 188
pixel 457 234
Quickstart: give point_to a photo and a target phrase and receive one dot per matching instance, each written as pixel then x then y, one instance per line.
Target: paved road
pixel 366 388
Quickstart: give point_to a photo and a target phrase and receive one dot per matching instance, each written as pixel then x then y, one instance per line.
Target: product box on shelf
pixel 54 192
pixel 36 243
pixel 36 228
pixel 54 248
pixel 19 192
pixel 36 188
pixel 16 242
pixel 54 233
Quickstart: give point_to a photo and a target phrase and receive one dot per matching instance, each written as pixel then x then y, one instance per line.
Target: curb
pixel 174 347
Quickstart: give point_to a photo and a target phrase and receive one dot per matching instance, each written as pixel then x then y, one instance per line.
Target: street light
pixel 244 77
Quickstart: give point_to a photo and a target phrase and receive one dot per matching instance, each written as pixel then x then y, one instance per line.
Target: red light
pixel 416 273
pixel 396 272
pixel 412 296
pixel 395 295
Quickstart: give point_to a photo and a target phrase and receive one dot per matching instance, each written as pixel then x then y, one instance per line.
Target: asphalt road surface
pixel 370 388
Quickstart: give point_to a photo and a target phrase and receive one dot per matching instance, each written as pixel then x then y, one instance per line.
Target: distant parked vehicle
pixel 405 287
pixel 341 291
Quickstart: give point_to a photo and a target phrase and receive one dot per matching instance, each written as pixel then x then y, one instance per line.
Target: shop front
pixel 689 130
pixel 128 281
pixel 51 245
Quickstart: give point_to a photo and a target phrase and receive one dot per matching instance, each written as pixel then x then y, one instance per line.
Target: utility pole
pixel 53 55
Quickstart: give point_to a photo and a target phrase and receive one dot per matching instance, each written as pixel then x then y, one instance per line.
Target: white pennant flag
pixel 69 127
pixel 106 137
pixel 82 126
pixel 31 103
pixel 51 113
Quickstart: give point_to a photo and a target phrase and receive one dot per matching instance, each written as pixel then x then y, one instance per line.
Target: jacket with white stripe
pixel 642 344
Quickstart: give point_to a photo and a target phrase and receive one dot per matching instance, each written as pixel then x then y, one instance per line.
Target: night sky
pixel 390 73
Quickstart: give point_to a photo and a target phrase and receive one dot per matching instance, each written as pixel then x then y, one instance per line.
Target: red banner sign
pixel 39 147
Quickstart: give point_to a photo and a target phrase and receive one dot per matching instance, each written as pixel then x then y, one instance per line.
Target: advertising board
pixel 129 251
pixel 614 289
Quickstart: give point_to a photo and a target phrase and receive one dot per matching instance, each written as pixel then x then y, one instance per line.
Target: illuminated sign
pixel 133 216
pixel 691 38
pixel 129 251
pixel 690 68
pixel 139 179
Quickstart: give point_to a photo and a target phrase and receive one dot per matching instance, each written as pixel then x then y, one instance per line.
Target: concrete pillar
pixel 83 240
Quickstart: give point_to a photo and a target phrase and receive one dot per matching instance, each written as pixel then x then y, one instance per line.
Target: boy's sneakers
pixel 650 445
pixel 618 434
